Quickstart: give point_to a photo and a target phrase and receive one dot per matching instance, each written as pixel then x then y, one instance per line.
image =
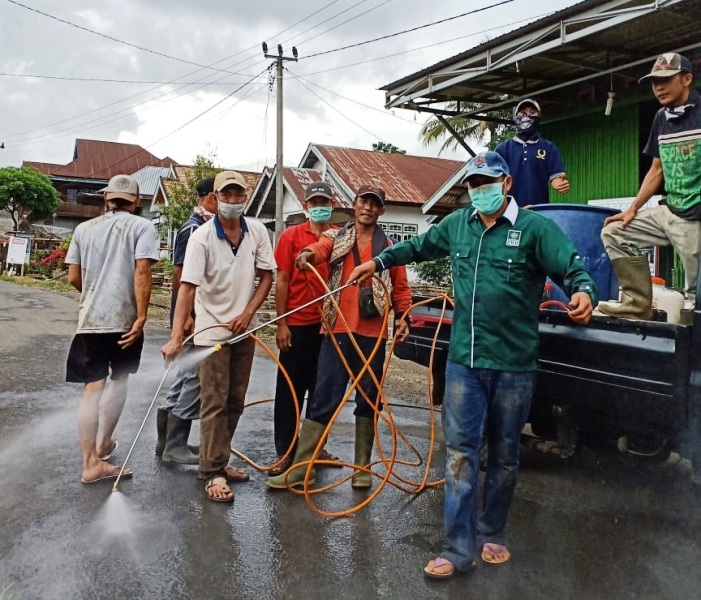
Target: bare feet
pixel 439 568
pixel 102 471
pixel 106 453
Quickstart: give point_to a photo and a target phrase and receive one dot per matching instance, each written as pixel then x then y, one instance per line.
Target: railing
pixel 85 211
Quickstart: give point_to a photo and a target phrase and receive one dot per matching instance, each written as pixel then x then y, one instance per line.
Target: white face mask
pixel 230 211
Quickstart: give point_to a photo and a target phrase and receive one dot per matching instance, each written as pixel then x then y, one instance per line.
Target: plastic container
pixel 583 224
pixel 667 300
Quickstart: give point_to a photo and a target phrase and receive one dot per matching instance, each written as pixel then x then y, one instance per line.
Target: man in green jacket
pixel 500 255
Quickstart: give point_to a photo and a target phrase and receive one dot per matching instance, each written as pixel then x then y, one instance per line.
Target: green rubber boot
pixel 309 436
pixel 161 429
pixel 364 439
pixel 636 290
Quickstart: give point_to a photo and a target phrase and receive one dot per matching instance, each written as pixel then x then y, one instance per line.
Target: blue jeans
pixel 478 401
pixel 332 377
pixel 183 399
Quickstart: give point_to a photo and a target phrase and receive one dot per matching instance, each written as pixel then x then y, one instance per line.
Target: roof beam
pixel 510 52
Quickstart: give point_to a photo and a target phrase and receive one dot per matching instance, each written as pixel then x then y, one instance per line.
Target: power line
pixel 114 39
pixel 391 35
pixel 418 48
pixel 160 83
pixel 346 117
pixel 384 112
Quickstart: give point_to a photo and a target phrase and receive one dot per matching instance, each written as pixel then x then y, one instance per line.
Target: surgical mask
pixel 488 198
pixel 320 214
pixel 230 211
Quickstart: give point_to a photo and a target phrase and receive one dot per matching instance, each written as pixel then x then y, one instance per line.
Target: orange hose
pixel 387 460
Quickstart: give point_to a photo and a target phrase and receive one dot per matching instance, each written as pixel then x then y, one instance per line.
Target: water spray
pixel 230 342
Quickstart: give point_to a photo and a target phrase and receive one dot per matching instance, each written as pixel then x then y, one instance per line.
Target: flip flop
pixel 113 475
pixel 489 552
pixel 281 468
pixel 430 568
pixel 111 452
pixel 325 455
pixel 211 483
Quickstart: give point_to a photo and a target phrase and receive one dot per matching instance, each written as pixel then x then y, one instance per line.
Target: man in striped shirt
pixel 674 145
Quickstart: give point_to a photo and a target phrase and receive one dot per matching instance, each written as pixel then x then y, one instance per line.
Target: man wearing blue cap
pixel 500 255
pixel 534 162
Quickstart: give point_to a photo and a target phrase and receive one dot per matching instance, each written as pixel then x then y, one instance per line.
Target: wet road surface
pixel 600 527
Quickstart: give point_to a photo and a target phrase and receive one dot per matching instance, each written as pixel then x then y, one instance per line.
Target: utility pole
pixel 279 188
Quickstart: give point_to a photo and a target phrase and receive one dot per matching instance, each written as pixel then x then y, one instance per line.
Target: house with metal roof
pixel 94 163
pixel 408 181
pixel 582 64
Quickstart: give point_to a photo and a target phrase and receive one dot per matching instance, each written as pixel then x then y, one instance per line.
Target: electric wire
pixel 398 33
pixel 114 39
pixel 102 80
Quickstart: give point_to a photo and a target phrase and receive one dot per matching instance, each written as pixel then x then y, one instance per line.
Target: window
pixel 400 231
pixel 72 195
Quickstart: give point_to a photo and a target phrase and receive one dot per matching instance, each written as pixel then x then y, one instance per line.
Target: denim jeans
pixel 183 399
pixel 479 401
pixel 332 377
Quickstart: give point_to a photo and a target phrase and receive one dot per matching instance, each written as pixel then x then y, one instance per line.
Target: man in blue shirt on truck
pixel 534 162
pixel 500 255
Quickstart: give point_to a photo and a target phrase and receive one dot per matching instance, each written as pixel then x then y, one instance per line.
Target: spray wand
pixel 230 342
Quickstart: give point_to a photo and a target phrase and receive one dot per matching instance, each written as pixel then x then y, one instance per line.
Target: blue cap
pixel 490 164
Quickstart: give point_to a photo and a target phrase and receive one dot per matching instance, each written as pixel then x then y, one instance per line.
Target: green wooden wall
pixel 601 154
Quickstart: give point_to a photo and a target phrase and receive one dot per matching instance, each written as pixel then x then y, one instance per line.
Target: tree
pixel 387 147
pixel 435 272
pixel 182 195
pixel 26 192
pixel 481 132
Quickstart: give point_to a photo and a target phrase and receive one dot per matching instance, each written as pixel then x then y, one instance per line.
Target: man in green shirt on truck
pixel 500 255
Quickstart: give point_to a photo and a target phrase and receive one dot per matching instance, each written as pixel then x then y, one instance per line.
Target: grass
pixel 55 285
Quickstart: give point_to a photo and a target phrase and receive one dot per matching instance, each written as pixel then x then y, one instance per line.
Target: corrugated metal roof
pixel 149 177
pixel 96 159
pixel 406 179
pixel 183 171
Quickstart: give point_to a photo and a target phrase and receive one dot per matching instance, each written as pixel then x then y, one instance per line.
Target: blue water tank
pixel 583 224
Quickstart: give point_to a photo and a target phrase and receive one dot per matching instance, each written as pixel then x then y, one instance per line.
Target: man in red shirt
pixel 299 336
pixel 358 241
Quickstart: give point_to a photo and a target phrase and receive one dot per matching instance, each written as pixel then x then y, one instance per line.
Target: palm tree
pixel 480 132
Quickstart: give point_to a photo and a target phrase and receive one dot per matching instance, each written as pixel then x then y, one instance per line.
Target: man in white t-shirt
pixel 222 260
pixel 109 263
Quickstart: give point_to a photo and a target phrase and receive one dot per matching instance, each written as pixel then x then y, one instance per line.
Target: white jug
pixel 667 300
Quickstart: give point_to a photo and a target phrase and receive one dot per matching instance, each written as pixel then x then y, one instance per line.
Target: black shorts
pixel 93 356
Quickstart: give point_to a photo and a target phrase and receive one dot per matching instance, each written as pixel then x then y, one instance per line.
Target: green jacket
pixel 498 279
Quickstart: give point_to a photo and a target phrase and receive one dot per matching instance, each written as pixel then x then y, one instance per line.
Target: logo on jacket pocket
pixel 513 238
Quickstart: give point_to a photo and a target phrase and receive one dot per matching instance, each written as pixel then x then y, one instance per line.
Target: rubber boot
pixel 176 449
pixel 364 439
pixel 162 429
pixel 309 437
pixel 634 278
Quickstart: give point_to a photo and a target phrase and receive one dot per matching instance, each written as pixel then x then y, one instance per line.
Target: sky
pixel 167 101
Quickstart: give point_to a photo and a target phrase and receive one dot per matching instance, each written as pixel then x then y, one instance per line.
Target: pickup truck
pixel 634 385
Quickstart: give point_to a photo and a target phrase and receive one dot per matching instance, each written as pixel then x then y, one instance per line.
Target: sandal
pixel 439 568
pixel 233 475
pixel 325 455
pixel 214 487
pixel 281 468
pixel 491 552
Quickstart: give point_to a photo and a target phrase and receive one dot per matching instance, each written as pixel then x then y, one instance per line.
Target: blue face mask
pixel 488 198
pixel 320 214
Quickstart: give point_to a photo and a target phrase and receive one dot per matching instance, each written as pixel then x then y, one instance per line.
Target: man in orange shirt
pixel 361 313
pixel 299 336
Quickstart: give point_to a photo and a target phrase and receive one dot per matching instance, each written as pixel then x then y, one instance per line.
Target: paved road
pixel 597 529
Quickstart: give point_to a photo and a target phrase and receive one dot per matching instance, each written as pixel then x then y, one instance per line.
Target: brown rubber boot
pixel 634 278
pixel 364 439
